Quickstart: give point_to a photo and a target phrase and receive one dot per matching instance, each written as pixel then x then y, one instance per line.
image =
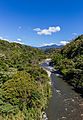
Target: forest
pixel 69 61
pixel 24 85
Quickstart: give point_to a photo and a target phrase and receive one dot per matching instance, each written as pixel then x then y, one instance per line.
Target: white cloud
pixel 48 44
pixel 1 38
pixel 48 31
pixel 4 39
pixel 37 29
pixel 44 32
pixel 19 39
pixel 18 42
pixel 58 44
pixel 54 29
pixel 75 34
pixel 64 42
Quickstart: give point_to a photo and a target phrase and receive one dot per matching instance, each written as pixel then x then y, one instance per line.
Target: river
pixel 65 103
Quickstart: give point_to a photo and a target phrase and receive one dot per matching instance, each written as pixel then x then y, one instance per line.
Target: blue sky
pixel 41 22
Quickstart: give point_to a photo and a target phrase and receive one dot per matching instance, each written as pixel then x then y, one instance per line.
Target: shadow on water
pixel 79 91
pixel 76 89
pixel 56 72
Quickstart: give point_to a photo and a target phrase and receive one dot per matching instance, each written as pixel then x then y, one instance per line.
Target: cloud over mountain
pixel 19 39
pixel 64 42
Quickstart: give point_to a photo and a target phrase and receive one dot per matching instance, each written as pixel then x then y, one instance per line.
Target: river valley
pixel 65 103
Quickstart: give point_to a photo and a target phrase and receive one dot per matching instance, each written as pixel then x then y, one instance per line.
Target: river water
pixel 65 103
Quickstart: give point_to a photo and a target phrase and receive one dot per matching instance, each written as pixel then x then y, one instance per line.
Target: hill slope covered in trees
pixel 24 86
pixel 69 60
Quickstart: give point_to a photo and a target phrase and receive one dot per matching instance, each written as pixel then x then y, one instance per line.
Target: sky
pixel 41 22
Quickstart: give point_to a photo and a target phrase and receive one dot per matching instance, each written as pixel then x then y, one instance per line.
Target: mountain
pixel 24 86
pixel 50 46
pixel 69 61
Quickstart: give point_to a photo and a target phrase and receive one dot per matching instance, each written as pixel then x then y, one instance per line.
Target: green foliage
pixel 69 61
pixel 24 86
pixel 57 58
pixel 74 48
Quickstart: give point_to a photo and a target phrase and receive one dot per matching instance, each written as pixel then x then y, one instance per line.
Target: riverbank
pixel 65 103
pixel 59 74
pixel 44 115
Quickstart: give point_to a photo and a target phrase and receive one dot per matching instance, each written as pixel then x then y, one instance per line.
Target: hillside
pixel 69 60
pixel 24 87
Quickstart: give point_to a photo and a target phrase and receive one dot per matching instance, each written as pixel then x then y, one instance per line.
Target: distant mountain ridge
pixel 50 46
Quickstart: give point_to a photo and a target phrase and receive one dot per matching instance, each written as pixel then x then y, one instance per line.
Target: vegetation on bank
pixel 24 86
pixel 69 60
